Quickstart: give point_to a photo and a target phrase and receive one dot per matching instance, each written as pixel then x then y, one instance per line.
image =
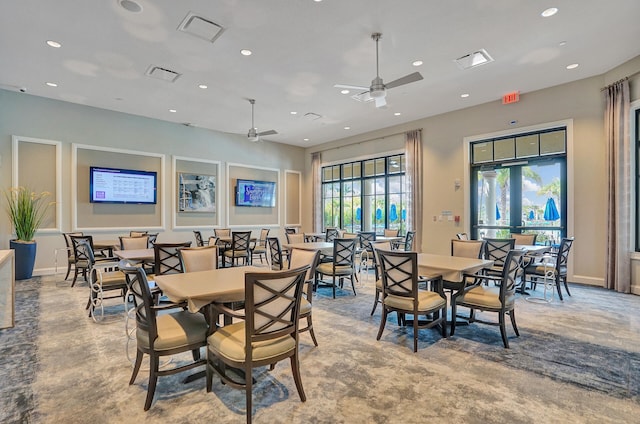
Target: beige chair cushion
pixel 305 306
pixel 427 301
pixel 112 278
pixel 229 342
pixel 327 268
pixel 259 249
pixel 176 330
pixel 379 284
pixel 236 253
pixel 484 296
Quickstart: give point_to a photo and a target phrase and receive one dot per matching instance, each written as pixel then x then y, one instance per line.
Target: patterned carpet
pixel 576 361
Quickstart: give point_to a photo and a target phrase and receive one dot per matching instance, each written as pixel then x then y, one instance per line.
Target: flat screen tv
pixel 112 185
pixel 256 193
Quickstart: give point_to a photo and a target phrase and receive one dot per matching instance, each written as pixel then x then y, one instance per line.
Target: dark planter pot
pixel 25 258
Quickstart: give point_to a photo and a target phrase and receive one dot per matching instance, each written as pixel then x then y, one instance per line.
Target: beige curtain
pixel 414 174
pixel 618 264
pixel 316 162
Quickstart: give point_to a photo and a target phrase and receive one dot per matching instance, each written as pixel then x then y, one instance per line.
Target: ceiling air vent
pixel 312 116
pixel 474 59
pixel 163 74
pixel 200 27
pixel 364 97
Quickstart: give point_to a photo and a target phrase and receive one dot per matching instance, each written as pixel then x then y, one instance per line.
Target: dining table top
pixel 532 249
pixel 452 268
pixel 135 254
pixel 323 246
pixel 201 288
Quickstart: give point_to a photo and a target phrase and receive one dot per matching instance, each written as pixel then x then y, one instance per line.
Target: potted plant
pixel 27 210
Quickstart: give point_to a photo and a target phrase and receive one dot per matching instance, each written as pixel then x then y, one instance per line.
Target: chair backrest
pixel 290 230
pixel 295 238
pixel 331 234
pixel 467 248
pixel 275 252
pixel 200 258
pixel 366 237
pixel 272 305
pixel 68 243
pixel 222 232
pixel 348 235
pixel 344 251
pixel 510 270
pixel 213 241
pixel 199 239
pixel 137 242
pixel 379 245
pixel 388 232
pixel 408 241
pixel 496 250
pixel 137 233
pixel 152 239
pixel 167 258
pixel 299 258
pixel 84 251
pixel 240 240
pixel 525 239
pixel 143 302
pixel 462 236
pixel 563 255
pixel 81 254
pixel 264 233
pixel 399 274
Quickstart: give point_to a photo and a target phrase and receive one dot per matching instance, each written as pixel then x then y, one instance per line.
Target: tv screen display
pixel 112 185
pixel 256 193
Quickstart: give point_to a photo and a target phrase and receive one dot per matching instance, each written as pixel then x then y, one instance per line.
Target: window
pixel 367 195
pixel 520 186
pixel 636 129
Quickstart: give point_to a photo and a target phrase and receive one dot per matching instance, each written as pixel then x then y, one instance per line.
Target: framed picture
pixel 196 193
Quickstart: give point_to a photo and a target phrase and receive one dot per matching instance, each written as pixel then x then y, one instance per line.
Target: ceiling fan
pixel 253 134
pixel 378 89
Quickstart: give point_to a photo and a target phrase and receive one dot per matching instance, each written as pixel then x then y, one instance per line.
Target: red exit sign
pixel 512 97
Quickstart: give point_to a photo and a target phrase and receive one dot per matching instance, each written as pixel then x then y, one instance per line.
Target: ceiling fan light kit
pixel 378 89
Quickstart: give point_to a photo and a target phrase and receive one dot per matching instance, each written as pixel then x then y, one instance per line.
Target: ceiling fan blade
pixel 381 102
pixel 404 80
pixel 268 132
pixel 352 87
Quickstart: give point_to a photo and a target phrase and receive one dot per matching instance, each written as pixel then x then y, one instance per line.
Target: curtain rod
pixel 355 143
pixel 620 80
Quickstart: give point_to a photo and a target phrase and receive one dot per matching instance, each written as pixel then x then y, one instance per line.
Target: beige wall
pixel 443 142
pixel 30 116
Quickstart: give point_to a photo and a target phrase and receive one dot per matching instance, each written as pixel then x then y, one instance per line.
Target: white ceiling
pixel 301 48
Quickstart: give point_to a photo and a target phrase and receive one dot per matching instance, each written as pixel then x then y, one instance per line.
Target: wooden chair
pixel 259 249
pixel 300 258
pixel 500 299
pixel 275 253
pixel 342 264
pixel 71 257
pixel 200 258
pixel 407 246
pixel 524 239
pixel 136 242
pixel 162 334
pixel 290 230
pixel 239 248
pixel 497 250
pixel 382 245
pixel 137 233
pixel 267 335
pixel 558 269
pixel 388 232
pixel 295 238
pixel 401 294
pixel 199 240
pixel 331 234
pixel 82 263
pixel 462 236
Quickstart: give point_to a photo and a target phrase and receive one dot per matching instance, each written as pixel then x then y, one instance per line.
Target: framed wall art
pixel 196 193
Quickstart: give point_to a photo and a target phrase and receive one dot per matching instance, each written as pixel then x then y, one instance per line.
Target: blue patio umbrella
pixel 550 210
pixel 404 214
pixel 532 216
pixel 393 213
pixel 378 214
pixel 358 214
pixel 497 212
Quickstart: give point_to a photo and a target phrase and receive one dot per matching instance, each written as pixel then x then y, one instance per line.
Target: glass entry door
pixel 523 197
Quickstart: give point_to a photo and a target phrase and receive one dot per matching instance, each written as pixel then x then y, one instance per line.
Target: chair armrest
pixel 221 308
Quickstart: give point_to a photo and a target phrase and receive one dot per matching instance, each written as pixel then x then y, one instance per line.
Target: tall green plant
pixel 27 210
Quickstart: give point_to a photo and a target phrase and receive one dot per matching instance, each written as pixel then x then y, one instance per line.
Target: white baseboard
pixel 590 281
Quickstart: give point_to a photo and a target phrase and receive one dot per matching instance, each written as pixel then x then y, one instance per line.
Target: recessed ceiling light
pixel 305 139
pixel 246 52
pixel 347 128
pixel 549 12
pixel 293 112
pixel 54 44
pixel 172 110
pixel 562 43
pixel 203 86
pixel 345 92
pixel 465 95
pixel 131 6
pixel 397 114
pixel 317 1
pixel 573 66
pixel 417 63
pixel 51 84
